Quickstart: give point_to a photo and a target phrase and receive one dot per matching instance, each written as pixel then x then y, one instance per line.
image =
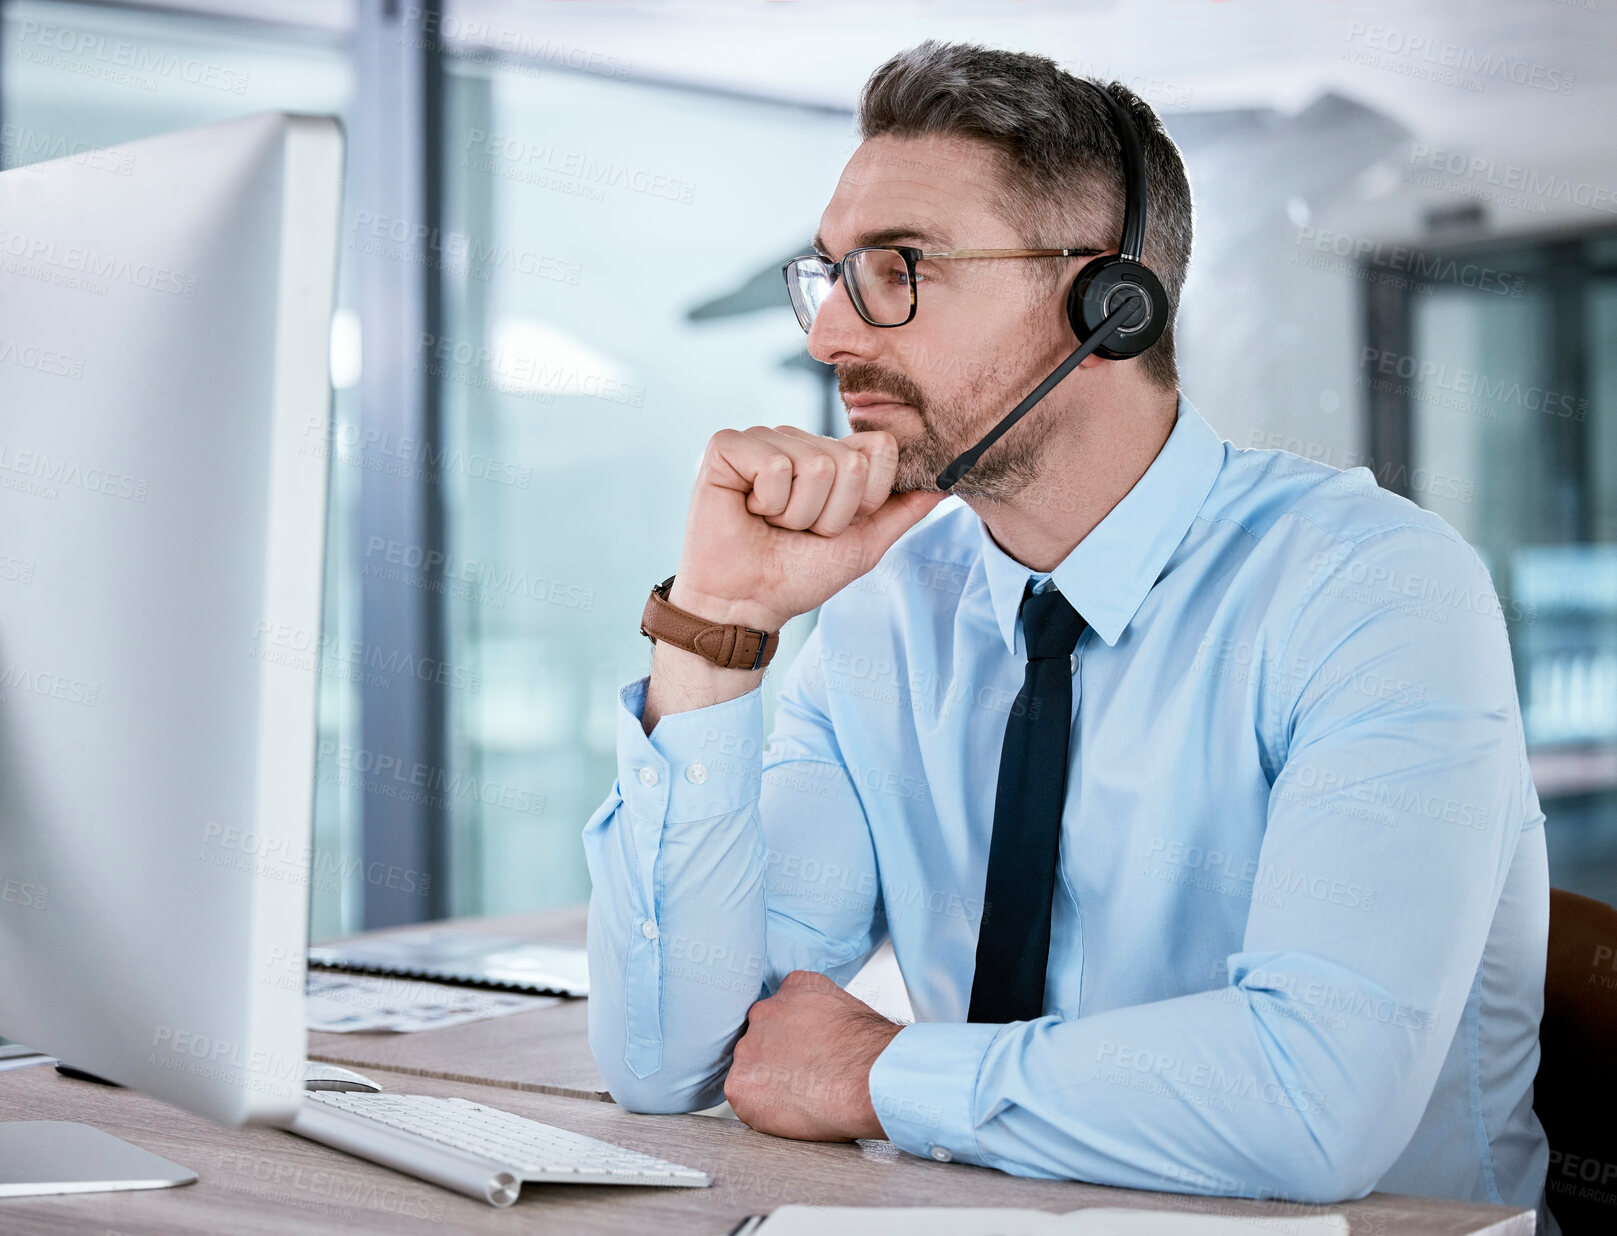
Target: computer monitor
pixel 164 397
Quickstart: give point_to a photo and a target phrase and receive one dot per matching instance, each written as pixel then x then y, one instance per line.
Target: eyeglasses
pixel 881 279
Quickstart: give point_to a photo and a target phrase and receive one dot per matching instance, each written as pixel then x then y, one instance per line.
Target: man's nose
pixel 838 332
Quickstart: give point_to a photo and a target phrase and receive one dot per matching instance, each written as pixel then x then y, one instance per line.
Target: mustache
pixel 858 377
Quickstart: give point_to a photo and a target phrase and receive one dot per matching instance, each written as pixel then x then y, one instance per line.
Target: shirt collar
pixel 1109 572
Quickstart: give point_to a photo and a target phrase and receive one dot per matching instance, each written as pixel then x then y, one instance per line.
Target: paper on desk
pixel 346 1003
pixel 24 1062
pixel 979 1221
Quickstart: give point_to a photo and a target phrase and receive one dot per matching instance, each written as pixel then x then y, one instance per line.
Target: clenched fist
pixel 802 1066
pixel 782 519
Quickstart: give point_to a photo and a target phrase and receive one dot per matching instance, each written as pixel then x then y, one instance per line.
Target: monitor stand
pixel 59 1156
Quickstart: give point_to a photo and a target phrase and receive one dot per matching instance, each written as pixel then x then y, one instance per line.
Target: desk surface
pixel 264 1181
pixel 545 1051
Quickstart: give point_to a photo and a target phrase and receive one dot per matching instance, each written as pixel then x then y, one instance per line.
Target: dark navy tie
pixel 1013 946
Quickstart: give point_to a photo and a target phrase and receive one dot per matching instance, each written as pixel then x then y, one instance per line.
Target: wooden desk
pixel 263 1182
pixel 545 1051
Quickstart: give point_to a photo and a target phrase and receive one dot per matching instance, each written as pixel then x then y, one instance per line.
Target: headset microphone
pixel 1116 307
pixel 967 461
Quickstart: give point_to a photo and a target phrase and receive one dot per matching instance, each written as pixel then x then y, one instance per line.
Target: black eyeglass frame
pixel 911 255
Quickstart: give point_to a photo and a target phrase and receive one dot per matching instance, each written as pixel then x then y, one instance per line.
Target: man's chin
pixel 915 473
pixel 920 456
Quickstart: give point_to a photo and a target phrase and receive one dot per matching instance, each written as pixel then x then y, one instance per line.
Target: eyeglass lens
pixel 877 280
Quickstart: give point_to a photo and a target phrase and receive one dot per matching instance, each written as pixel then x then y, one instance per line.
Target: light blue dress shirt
pixel 1299 928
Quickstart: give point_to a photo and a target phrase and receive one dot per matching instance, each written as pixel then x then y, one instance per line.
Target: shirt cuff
pixel 694 765
pixel 924 1088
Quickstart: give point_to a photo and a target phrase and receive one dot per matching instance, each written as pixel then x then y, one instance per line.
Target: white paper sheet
pixel 967 1221
pixel 346 1003
pixel 24 1062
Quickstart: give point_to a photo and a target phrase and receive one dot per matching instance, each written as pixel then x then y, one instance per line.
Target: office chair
pixel 1575 1093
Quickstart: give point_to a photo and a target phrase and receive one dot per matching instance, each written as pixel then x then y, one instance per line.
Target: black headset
pixel 1117 308
pixel 1108 283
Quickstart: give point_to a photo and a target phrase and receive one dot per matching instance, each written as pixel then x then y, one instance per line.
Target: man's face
pixel 985 331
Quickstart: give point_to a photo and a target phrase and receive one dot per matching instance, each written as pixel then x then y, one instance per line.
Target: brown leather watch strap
pixel 727 645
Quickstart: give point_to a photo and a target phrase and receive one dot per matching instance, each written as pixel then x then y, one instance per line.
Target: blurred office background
pixel 561 250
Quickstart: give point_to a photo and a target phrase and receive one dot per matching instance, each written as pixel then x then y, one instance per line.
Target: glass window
pixel 1512 402
pixel 618 299
pixel 77 77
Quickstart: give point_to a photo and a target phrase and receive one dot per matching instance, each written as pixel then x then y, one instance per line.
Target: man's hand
pixel 780 520
pixel 802 1067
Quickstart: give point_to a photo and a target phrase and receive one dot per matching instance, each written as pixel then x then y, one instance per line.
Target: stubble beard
pixel 949 426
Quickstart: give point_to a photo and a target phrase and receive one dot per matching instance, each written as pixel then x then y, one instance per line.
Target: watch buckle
pixel 763 644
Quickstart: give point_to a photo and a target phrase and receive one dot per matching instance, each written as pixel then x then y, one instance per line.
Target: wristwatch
pixel 729 646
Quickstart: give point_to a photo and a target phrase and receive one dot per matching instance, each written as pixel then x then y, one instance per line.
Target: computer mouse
pixel 318 1076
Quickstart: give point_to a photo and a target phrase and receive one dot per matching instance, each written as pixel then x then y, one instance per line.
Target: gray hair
pixel 1057 152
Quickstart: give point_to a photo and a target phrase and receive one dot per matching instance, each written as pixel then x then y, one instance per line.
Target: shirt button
pixel 940 1154
pixel 1072 659
pixel 696 774
pixel 648 929
pixel 648 775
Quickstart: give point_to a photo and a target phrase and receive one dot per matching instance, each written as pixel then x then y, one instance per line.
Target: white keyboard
pixel 481 1151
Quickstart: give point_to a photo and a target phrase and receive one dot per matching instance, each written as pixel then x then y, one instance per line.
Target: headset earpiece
pixel 1109 283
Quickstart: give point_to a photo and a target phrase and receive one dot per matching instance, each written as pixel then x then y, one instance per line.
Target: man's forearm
pixel 681 680
pixel 676 932
pixel 1235 1091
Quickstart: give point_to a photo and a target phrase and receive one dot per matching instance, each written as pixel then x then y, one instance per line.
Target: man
pixel 1289 939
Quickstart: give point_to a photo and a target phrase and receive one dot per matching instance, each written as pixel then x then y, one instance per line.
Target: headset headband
pixel 1134 195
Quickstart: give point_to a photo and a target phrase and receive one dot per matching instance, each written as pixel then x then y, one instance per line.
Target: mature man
pixel 1188 782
